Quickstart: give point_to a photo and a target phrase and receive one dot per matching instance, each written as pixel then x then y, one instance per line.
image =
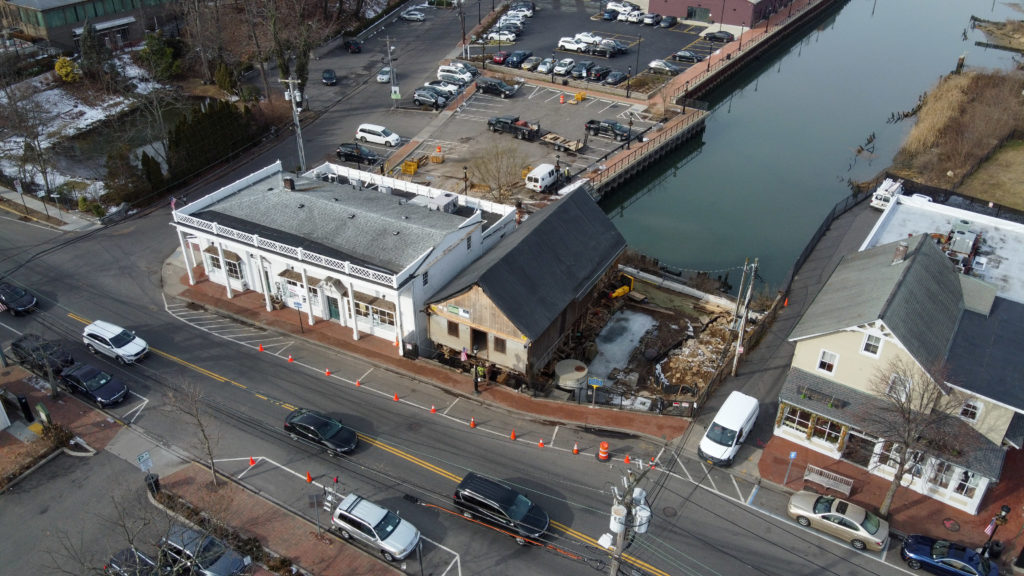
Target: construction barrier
pixel 602 453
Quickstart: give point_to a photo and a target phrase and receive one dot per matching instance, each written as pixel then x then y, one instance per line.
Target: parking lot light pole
pixel 465 181
pixel 997 521
pixel 630 135
pixel 629 73
pixel 740 49
pixel 553 67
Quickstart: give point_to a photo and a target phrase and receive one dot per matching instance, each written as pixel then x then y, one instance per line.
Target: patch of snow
pixel 617 340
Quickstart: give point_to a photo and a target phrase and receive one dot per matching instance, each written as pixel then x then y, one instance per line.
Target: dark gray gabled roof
pixel 542 266
pixel 919 299
pixel 851 406
pixel 986 354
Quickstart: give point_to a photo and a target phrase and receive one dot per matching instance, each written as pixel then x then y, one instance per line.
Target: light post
pixel 638 40
pixel 721 21
pixel 998 521
pixel 553 67
pixel 629 73
pixel 742 24
pixel 629 136
pixel 477 12
pixel 465 181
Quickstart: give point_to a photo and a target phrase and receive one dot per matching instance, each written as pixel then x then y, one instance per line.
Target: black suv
pixel 352 46
pixel 609 128
pixel 187 551
pixel 516 59
pixel 497 504
pixel 495 87
pixel 131 562
pixel 35 353
pixel 352 152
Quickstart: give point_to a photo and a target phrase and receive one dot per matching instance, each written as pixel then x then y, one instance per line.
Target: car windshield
pixel 519 507
pixel 823 505
pixel 871 523
pixel 327 428
pixel 211 551
pixel 122 339
pixel 721 435
pixel 387 525
pixel 97 381
pixel 15 292
pixel 386 132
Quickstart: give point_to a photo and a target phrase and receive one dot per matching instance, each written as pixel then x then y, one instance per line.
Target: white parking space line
pixel 707 475
pixel 137 409
pixel 737 487
pixel 450 406
pixel 553 434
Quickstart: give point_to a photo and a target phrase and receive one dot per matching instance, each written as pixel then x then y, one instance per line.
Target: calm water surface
pixel 779 146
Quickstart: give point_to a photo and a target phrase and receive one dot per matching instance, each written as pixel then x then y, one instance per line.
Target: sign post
pixel 145 461
pixel 792 456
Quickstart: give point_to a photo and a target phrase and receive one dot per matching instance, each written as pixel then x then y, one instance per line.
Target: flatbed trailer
pixel 561 143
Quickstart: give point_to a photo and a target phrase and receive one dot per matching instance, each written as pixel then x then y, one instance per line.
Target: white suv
pixel 570 44
pixel 114 341
pixel 377 135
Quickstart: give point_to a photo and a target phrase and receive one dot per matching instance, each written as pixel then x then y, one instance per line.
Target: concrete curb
pixel 56 452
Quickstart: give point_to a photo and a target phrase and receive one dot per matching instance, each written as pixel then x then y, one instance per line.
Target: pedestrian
pixel 476 383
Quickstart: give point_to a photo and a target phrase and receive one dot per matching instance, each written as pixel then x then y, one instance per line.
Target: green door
pixel 332 308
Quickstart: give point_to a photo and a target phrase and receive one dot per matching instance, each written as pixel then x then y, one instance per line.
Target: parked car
pixel 96 385
pixel 447 88
pixel 686 56
pixel 531 63
pixel 36 353
pixel 499 505
pixel 352 152
pixel 609 14
pixel 114 341
pixel 598 73
pixel 580 70
pixel 131 562
pixel 494 87
pixel 329 78
pixel 199 553
pixel 614 78
pixel 944 557
pixel 15 299
pixel 456 69
pixel 719 36
pixel 603 50
pixel 456 79
pixel 499 57
pixel 524 11
pixel 524 5
pixel 384 75
pixel 619 47
pixel 352 46
pixel 378 135
pixel 571 45
pixel 839 518
pixel 413 16
pixel 668 21
pixel 618 6
pixel 356 517
pixel 546 65
pixel 466 68
pixel 624 15
pixel 427 96
pixel 652 19
pixel 664 67
pixel 636 16
pixel 516 59
pixel 312 427
pixel 512 27
pixel 564 66
pixel 608 128
pixel 501 36
pixel 588 38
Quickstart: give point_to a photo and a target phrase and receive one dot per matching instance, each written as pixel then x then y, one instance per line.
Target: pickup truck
pixel 608 128
pixel 521 129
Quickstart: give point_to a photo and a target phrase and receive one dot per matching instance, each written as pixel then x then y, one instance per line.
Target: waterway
pixel 780 144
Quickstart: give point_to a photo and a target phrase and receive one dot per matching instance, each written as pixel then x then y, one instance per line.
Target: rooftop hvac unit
pixel 446 202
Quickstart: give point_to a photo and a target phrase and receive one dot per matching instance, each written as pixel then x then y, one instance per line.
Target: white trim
pixel 864 343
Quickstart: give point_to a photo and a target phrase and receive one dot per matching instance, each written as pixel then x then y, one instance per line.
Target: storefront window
pixel 827 430
pixel 797 419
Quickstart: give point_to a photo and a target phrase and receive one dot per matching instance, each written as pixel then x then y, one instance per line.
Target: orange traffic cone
pixel 652 462
pixel 576 448
pixel 513 436
pixel 309 477
pixel 396 397
pixel 626 461
pixel 396 341
pixel 541 443
pixel 561 99
pixel 432 409
pixel 358 383
pixel 327 372
pixel 290 358
pixel 261 347
pixel 785 302
pixel 252 461
pixel 472 422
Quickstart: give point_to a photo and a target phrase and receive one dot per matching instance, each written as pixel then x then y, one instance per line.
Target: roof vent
pixel 302 206
pixel 351 216
pixel 405 217
pixel 289 184
pixel 395 232
pixel 901 253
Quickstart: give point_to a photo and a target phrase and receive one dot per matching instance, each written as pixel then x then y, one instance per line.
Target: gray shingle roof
pixel 920 299
pixel 537 270
pixel 337 220
pixel 850 406
pixel 986 354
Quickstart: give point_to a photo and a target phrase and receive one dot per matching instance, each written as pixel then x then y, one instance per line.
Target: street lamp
pixel 465 181
pixel 998 521
pixel 477 12
pixel 629 73
pixel 629 136
pixel 742 24
pixel 553 67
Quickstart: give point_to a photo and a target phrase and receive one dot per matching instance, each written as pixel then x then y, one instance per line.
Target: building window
pixel 872 344
pixel 827 361
pixel 942 474
pixel 214 262
pixel 233 269
pixel 796 419
pixel 383 317
pixel 966 484
pixel 899 388
pixel 499 345
pixel 827 430
pixel 453 329
pixel 892 453
pixel 426 278
pixel 970 410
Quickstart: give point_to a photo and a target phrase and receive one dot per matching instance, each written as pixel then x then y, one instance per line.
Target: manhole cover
pixel 668 511
pixel 951 525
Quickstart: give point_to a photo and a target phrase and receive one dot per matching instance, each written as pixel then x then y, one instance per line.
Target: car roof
pixel 82 370
pixel 363 509
pixel 103 326
pixel 488 487
pixel 186 538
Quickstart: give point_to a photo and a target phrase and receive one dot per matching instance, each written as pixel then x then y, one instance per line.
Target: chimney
pixel 289 184
pixel 901 253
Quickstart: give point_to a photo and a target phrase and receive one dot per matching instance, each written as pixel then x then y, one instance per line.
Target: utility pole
pixel 462 19
pixel 637 514
pixel 739 291
pixel 743 319
pixel 296 98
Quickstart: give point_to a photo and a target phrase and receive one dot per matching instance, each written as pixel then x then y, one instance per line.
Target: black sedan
pixel 352 46
pixel 580 70
pixel 313 427
pixel 96 385
pixel 15 299
pixel 719 36
pixel 516 59
pixel 614 78
pixel 944 557
pixel 131 562
pixel 686 56
pixel 352 152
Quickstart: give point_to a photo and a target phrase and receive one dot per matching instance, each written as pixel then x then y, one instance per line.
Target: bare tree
pixel 916 420
pixel 500 168
pixel 189 400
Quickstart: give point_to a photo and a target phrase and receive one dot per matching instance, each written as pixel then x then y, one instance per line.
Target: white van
pixel 729 429
pixel 541 177
pixel 377 135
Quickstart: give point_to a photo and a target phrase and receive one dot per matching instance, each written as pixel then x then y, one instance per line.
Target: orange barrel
pixel 602 453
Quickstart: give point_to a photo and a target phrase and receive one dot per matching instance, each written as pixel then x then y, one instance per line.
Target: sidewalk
pixel 70 220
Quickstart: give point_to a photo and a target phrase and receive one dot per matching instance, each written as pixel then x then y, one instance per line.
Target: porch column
pixel 185 253
pixel 352 310
pixel 224 270
pixel 263 282
pixel 305 292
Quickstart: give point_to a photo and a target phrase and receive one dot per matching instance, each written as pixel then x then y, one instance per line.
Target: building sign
pixel 453 309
